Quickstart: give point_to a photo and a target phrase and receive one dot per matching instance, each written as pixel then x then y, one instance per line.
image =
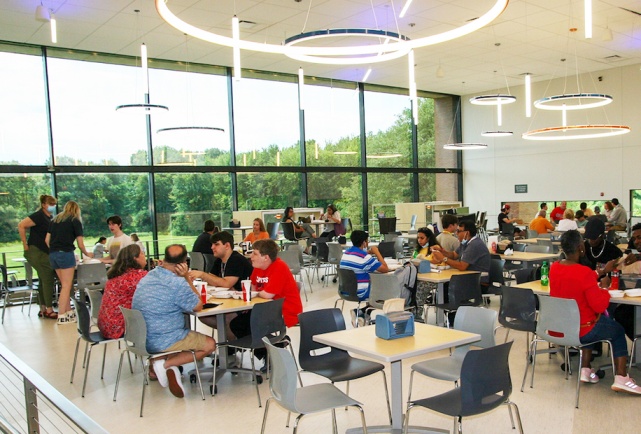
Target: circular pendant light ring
pixel 498 99
pixel 497 133
pixel 576 101
pixel 464 146
pixel 576 132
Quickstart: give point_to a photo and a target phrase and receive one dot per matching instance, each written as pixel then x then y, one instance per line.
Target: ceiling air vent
pixel 613 58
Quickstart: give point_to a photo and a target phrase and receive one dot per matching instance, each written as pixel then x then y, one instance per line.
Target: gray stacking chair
pixel 92 339
pixel 538 248
pixel 304 400
pixel 347 288
pixel 14 291
pixel 336 365
pixel 196 261
pixel 481 390
pixel 91 276
pixel 468 319
pixel 558 323
pixel 136 342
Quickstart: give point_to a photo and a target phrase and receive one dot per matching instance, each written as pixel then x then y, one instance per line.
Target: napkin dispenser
pixel 395 325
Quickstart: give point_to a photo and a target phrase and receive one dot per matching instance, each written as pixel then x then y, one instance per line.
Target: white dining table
pixel 427 338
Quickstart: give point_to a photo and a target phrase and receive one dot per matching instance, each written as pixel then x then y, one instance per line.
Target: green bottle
pixel 545 271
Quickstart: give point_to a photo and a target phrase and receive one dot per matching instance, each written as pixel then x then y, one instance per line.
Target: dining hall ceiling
pixel 528 37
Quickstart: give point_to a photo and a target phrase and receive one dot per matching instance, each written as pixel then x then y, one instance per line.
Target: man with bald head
pixel 163 296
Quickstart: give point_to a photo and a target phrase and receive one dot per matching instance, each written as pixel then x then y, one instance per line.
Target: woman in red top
pixel 124 275
pixel 569 279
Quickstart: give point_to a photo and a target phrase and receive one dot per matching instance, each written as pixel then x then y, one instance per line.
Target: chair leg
pixel 300 416
pixel 122 353
pixel 145 369
pixel 407 418
pixel 200 384
pixel 262 428
pixel 389 408
pixel 578 377
pixel 334 426
pixel 84 383
pixel 75 357
pixel 213 387
pixel 632 351
pixel 251 358
pixel 364 425
pixel 104 355
pixel 518 415
pixel 409 392
pixel 528 362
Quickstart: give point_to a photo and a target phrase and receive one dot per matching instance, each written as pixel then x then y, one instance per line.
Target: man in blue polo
pixel 362 260
pixel 163 296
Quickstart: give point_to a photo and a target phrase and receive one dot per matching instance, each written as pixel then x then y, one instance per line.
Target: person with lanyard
pixel 36 252
pixel 425 239
pixel 448 239
pixel 571 280
pixel 471 255
pixel 230 268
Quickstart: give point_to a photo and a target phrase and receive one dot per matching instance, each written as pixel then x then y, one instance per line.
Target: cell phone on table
pixel 210 305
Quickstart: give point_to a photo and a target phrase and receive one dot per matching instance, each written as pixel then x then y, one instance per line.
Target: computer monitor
pixel 467 217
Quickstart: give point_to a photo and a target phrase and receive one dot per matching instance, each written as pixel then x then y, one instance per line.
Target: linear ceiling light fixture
pixel 588 18
pixel 342 55
pixel 405 8
pixel 54 29
pixel 528 95
pixel 145 107
pixel 366 76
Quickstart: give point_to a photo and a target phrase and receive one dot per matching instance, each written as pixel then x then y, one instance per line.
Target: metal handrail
pixel 35 386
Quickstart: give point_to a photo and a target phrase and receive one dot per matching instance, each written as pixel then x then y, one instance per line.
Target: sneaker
pixel 67 318
pixel 175 382
pixel 161 372
pixel 588 376
pixel 625 384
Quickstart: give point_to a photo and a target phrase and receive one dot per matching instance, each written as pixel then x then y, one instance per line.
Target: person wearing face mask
pixel 36 252
pixel 425 239
pixel 471 255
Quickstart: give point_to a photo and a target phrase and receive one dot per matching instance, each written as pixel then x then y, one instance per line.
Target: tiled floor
pixel 547 408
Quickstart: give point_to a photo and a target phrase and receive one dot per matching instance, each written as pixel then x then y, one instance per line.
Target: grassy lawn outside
pixel 11 251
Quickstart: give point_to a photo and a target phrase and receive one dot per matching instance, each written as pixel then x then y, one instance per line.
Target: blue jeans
pixel 608 329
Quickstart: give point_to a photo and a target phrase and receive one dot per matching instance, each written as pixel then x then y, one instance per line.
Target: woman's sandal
pixel 50 315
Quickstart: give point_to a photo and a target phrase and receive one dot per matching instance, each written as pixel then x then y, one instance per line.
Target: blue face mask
pixel 464 242
pixel 51 209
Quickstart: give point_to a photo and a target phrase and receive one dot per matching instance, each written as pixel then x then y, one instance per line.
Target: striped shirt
pixel 362 263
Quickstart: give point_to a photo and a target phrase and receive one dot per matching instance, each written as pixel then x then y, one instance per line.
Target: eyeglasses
pixel 461 230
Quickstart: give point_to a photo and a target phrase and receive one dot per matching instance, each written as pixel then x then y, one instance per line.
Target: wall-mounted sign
pixel 520 188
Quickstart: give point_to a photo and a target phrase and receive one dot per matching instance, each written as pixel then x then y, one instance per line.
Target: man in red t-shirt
pixel 273 279
pixel 557 213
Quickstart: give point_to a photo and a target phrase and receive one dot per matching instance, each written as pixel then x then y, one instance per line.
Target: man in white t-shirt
pixel 117 241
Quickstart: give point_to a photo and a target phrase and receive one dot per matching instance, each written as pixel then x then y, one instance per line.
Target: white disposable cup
pixel 247 290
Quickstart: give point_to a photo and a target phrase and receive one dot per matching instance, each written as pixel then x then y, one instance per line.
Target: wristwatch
pixel 445 258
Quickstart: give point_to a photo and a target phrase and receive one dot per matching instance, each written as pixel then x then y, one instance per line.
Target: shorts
pixel 193 341
pixel 62 260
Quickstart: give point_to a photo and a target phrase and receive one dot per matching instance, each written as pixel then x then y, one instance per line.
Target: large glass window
pixel 88 131
pixel 101 195
pixel 194 100
pixel 342 189
pixel 185 200
pixel 332 126
pixel 269 190
pixel 266 123
pixel 23 115
pixel 388 122
pixel 384 190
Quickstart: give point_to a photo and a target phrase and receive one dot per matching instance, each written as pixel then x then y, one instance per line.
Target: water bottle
pixel 614 282
pixel 545 270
